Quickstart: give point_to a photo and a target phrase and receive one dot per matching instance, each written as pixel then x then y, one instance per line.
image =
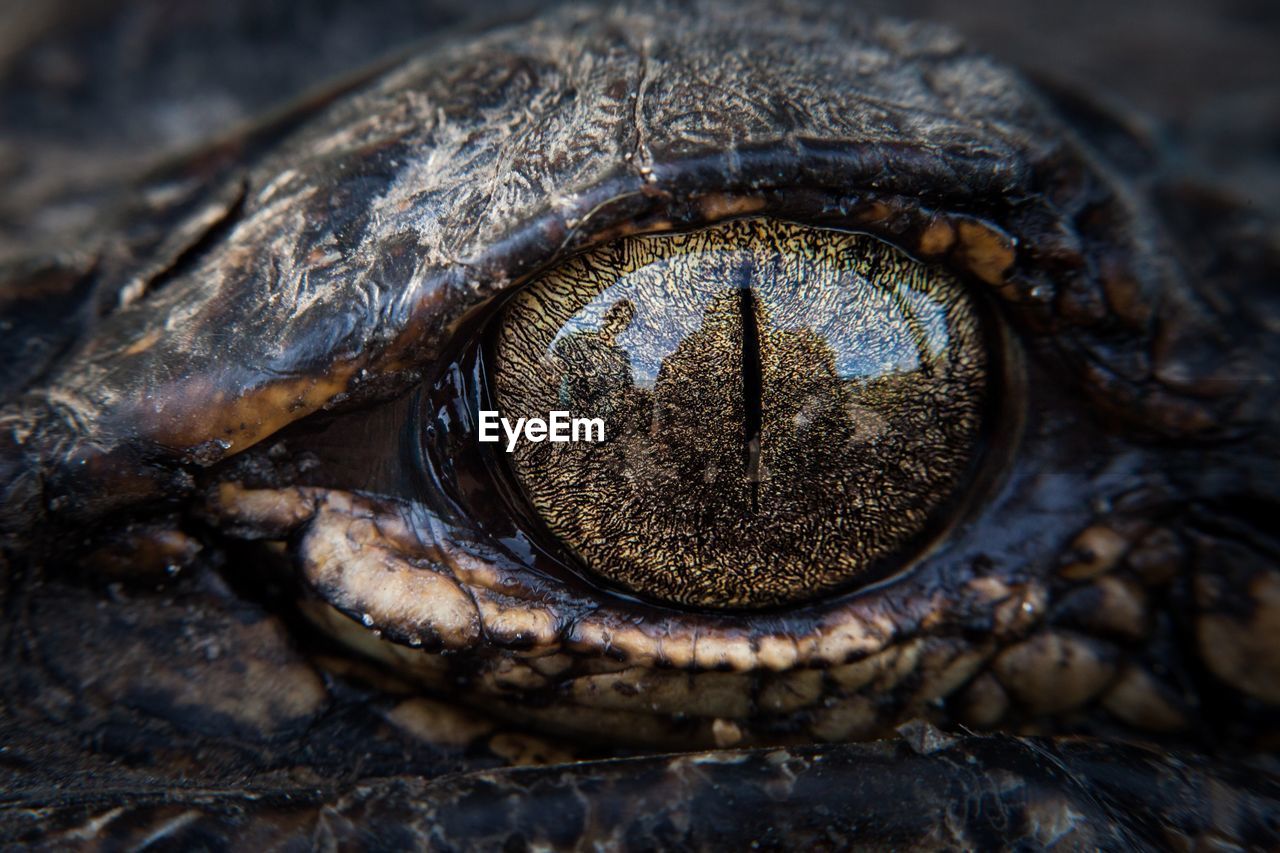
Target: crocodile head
pixel 1010 579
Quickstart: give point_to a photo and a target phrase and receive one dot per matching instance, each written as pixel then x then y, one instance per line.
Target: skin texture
pixel 222 432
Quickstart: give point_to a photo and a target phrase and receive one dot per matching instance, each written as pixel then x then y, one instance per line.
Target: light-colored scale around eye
pixel 754 460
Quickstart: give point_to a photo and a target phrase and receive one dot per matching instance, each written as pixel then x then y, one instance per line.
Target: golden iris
pixel 787 409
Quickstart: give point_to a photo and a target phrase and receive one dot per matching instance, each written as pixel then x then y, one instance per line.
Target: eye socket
pixel 787 411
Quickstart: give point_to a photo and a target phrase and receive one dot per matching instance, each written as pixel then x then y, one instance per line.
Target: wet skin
pixel 262 582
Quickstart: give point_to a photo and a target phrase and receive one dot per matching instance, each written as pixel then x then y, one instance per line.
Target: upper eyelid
pixel 371 205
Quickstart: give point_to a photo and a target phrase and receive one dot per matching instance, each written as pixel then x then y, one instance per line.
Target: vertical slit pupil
pixel 752 390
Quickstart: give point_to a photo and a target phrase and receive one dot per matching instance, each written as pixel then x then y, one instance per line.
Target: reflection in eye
pixel 788 410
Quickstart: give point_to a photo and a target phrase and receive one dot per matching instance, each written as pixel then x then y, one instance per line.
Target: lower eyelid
pixel 371 560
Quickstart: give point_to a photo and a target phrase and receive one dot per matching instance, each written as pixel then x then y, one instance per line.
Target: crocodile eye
pixel 786 411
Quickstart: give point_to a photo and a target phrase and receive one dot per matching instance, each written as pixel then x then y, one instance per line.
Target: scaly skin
pixel 233 617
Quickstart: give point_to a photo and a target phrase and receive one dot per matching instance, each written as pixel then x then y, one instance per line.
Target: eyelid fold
pixel 368 235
